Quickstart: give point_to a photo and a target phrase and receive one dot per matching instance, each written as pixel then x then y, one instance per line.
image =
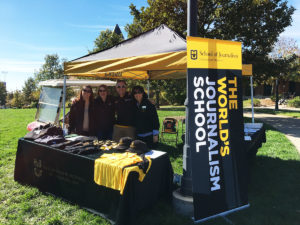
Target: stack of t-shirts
pixel 112 170
pixel 46 134
pixel 50 139
pixel 79 147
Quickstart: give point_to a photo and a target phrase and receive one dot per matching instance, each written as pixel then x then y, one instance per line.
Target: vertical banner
pixel 216 127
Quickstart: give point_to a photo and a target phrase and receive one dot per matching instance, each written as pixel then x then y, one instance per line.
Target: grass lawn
pixel 274 190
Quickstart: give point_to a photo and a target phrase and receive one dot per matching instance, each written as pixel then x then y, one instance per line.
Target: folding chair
pixel 182 130
pixel 169 126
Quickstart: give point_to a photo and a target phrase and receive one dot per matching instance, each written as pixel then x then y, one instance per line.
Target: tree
pixel 175 91
pixel 157 86
pixel 169 12
pixel 18 99
pixel 286 49
pixel 28 90
pixel 284 63
pixel 106 39
pixel 3 93
pixel 255 23
pixel 51 69
pixel 9 97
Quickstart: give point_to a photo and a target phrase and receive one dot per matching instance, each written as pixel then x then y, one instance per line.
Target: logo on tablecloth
pixel 37 163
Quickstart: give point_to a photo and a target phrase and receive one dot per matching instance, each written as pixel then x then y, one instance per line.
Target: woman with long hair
pixel 81 117
pixel 104 113
pixel 146 118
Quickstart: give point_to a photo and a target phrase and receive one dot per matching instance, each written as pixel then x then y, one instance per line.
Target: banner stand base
pixel 183 204
pixel 221 214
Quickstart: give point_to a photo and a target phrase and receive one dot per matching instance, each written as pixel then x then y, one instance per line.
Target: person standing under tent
pixel 104 114
pixel 146 118
pixel 81 117
pixel 124 109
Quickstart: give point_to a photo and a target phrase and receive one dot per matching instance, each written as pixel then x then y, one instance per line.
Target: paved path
pixel 288 125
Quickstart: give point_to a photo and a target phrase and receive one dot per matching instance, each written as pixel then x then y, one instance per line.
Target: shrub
pixel 273 97
pixel 295 102
pixel 256 102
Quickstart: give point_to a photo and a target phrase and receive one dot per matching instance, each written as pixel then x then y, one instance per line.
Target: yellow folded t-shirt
pixel 109 169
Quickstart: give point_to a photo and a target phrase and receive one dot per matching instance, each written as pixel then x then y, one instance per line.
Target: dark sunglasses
pixel 102 90
pixel 87 91
pixel 121 86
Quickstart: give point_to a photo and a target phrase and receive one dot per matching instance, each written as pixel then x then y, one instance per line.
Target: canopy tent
pixel 159 53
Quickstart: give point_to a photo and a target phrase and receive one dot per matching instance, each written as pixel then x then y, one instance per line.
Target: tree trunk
pixel 157 98
pixel 276 93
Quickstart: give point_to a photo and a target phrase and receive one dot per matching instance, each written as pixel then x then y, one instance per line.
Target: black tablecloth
pixel 252 145
pixel 72 178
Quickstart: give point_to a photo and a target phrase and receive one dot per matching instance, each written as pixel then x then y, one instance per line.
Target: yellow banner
pixel 247 70
pixel 213 54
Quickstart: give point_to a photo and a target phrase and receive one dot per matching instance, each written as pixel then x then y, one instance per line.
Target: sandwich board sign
pixel 216 127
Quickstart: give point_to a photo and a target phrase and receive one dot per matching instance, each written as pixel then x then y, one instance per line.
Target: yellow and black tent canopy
pixel 159 53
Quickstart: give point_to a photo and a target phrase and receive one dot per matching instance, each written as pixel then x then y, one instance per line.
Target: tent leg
pixel 252 105
pixel 148 88
pixel 64 102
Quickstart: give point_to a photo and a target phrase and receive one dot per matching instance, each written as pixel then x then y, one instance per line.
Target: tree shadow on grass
pixel 274 193
pixel 274 197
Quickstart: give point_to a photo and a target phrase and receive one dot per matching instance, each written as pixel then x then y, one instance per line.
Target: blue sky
pixel 31 29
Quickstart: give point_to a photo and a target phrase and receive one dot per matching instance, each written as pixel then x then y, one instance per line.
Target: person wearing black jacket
pixel 104 113
pixel 81 117
pixel 124 105
pixel 124 108
pixel 146 118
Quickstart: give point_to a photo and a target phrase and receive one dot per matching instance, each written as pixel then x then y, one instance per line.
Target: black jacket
pixel 76 119
pixel 104 114
pixel 125 110
pixel 146 118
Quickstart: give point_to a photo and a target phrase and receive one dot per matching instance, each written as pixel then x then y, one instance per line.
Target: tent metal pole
pixel 148 87
pixel 64 101
pixel 252 105
pixel 186 180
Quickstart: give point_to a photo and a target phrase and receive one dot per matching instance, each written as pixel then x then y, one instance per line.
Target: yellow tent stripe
pixel 171 65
